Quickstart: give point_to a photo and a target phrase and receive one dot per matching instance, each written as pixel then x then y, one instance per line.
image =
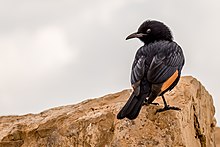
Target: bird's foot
pixel 168 108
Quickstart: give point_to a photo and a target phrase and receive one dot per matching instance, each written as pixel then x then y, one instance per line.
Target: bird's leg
pixel 167 107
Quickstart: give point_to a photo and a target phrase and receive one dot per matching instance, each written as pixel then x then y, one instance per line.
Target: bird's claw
pixel 168 108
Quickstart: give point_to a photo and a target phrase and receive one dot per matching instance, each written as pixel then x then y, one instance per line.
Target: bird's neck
pixel 153 41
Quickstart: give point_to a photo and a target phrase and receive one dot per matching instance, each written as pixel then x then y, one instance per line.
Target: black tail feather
pixel 136 109
pixel 127 107
pixel 132 108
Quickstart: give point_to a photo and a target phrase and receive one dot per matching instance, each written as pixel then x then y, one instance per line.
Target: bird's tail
pixel 133 106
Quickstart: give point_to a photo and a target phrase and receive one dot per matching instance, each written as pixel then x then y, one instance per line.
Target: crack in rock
pixel 199 135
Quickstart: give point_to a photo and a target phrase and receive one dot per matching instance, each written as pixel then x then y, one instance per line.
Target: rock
pixel 93 123
pixel 217 136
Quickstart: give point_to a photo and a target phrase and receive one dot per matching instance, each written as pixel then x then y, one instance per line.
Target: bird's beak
pixel 136 35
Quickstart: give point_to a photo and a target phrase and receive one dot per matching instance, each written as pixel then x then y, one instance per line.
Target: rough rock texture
pixel 217 137
pixel 92 123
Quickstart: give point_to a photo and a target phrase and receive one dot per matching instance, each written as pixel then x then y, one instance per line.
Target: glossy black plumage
pixel 154 63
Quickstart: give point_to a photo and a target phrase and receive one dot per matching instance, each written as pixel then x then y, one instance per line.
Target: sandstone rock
pixel 217 136
pixel 93 123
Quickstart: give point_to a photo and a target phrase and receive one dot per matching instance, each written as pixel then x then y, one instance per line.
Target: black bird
pixel 156 68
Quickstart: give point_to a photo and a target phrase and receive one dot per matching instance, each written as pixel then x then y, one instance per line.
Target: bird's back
pixel 169 58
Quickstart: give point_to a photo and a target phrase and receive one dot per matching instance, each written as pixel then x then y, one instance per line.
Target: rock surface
pixel 217 137
pixel 92 123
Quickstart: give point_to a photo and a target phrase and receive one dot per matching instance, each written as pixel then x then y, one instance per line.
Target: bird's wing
pixel 138 69
pixel 137 73
pixel 165 63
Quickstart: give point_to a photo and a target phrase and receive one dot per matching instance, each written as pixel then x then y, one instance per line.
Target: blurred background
pixel 55 53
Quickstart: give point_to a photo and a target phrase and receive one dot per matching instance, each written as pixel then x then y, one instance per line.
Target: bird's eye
pixel 148 31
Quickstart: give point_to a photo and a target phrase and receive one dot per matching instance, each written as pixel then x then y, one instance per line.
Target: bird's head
pixel 152 30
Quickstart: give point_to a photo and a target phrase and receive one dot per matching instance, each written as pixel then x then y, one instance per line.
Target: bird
pixel 156 68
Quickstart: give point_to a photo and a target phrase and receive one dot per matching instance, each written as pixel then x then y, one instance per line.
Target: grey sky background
pixel 55 53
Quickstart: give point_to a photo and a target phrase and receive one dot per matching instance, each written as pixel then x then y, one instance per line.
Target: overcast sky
pixel 55 53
